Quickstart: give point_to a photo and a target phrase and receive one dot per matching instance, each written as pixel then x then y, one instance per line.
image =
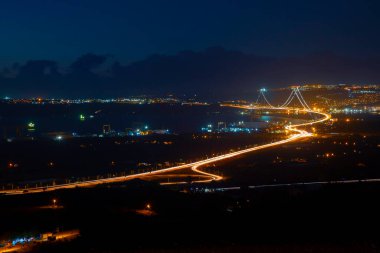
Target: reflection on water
pixel 90 118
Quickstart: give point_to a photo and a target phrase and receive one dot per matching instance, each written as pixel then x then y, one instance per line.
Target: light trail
pixel 299 134
pixel 332 182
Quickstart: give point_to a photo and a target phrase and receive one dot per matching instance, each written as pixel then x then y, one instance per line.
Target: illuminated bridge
pixel 295 93
pixel 196 166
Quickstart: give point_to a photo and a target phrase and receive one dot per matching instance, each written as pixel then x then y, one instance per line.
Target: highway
pixel 195 166
pixel 332 182
pixel 294 128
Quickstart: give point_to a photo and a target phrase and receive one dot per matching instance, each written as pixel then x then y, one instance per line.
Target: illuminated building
pixel 106 129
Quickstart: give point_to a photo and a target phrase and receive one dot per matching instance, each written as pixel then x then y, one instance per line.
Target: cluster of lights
pixel 12 165
pixel 22 240
pixel 139 132
pixel 132 100
pixel 145 130
pixel 233 129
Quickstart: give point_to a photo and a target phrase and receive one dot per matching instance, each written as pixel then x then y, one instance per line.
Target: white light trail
pixel 299 134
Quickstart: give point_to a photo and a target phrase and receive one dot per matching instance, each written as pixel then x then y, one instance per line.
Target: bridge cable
pixel 305 106
pixel 289 100
pixel 258 97
pixel 304 101
pixel 267 100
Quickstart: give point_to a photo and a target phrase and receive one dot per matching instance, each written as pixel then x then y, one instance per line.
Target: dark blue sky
pixel 131 30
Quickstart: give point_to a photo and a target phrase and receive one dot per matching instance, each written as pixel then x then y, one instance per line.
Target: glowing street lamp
pixel 31 126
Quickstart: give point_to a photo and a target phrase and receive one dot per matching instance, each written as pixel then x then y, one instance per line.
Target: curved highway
pixel 195 166
pixel 294 128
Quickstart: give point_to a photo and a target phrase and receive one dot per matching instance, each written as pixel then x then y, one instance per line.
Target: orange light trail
pixel 299 134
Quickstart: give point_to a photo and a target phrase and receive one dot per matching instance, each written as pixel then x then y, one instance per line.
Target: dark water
pixel 54 118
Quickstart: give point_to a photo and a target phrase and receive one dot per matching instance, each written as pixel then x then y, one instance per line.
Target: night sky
pixel 129 31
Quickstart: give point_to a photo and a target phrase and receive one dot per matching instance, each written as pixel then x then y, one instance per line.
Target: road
pixel 294 128
pixel 332 182
pixel 195 166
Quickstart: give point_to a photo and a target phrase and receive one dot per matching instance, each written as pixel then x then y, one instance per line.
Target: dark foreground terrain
pixel 328 218
pixel 142 216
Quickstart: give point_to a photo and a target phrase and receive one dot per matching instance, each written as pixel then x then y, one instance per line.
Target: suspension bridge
pixel 295 93
pixel 196 166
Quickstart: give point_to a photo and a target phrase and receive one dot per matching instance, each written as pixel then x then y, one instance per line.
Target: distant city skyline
pixel 209 73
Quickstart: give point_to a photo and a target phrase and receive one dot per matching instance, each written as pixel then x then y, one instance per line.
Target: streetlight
pixel 31 126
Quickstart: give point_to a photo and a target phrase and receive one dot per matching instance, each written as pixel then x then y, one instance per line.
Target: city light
pixel 184 126
pixel 31 126
pixel 195 166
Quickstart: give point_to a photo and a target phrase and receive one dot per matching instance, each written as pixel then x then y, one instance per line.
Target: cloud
pixel 38 69
pixel 88 62
pixel 214 72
